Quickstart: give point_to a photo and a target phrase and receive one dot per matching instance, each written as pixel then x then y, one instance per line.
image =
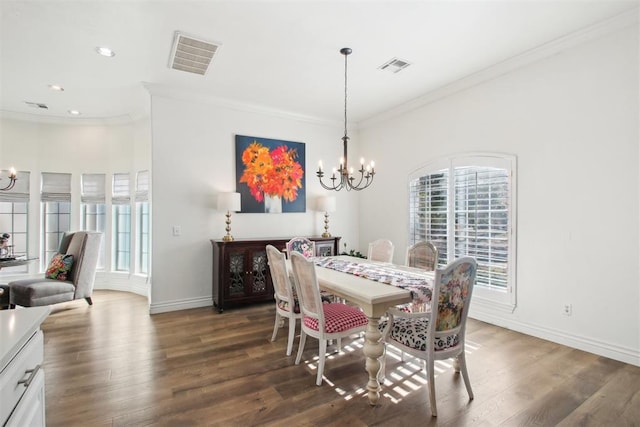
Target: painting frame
pixel 270 175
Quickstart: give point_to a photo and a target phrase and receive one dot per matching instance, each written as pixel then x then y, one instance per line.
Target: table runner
pixel 419 285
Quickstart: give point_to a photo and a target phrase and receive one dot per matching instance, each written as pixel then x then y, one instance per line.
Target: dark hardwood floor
pixel 114 364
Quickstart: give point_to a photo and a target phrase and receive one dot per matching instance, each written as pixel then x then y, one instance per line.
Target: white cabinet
pixel 21 373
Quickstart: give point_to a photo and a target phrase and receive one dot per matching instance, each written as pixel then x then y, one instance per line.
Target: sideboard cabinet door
pixel 241 272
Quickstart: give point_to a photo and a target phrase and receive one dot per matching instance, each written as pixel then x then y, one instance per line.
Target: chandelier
pixel 12 180
pixel 343 176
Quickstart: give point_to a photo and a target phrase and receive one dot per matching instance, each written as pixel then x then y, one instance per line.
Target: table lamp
pixel 229 202
pixel 326 204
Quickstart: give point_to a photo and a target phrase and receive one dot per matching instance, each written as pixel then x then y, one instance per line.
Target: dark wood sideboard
pixel 241 273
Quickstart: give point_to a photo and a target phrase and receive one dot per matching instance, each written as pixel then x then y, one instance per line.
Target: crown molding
pixel 197 96
pixel 75 121
pixel 543 51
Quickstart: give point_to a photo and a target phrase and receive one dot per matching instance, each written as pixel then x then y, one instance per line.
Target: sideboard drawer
pixel 22 368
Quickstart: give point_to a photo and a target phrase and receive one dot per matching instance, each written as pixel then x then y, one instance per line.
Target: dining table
pixel 374 297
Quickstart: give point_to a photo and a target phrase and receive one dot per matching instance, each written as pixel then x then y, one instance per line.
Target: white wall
pixel 572 121
pixel 193 161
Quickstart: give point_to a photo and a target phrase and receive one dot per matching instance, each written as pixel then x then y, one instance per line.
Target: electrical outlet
pixel 567 309
pixel 177 231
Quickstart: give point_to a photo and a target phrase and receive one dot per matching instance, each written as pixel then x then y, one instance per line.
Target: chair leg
pixel 89 300
pixel 432 387
pixel 322 354
pixel 339 342
pixel 275 327
pixel 462 363
pixel 303 338
pixel 292 335
pixel 12 306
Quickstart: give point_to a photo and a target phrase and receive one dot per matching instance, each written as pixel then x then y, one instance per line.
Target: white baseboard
pixel 124 282
pixel 612 351
pixel 184 304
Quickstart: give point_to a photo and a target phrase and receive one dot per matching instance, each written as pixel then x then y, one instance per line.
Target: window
pixel 464 205
pixel 142 219
pixel 14 216
pixel 121 201
pixel 93 207
pixel 56 212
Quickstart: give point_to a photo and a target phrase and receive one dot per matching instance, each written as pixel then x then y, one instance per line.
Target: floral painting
pixel 270 175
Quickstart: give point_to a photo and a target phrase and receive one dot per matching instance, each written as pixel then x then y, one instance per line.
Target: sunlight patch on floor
pixel 405 374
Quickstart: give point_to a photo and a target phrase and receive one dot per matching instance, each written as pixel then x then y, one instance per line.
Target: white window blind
pixel 93 188
pixel 428 211
pixel 142 186
pixel 121 193
pixel 20 191
pixel 464 206
pixel 481 210
pixel 56 187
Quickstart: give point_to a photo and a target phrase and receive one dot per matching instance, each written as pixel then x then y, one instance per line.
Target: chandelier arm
pixel 10 185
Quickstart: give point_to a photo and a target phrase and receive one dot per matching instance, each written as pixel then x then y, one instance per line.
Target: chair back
pixel 422 255
pixel 281 284
pixel 306 282
pixel 450 303
pixel 381 250
pixel 301 245
pixel 85 248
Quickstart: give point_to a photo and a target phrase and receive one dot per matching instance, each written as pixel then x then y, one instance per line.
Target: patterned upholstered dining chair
pixel 440 333
pixel 381 250
pixel 301 245
pixel 321 320
pixel 422 255
pixel 287 306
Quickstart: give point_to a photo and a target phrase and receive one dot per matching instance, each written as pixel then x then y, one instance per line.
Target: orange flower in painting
pixel 275 173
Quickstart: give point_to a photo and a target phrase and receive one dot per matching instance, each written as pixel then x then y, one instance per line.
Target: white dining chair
pixel 381 250
pixel 423 255
pixel 287 306
pixel 324 321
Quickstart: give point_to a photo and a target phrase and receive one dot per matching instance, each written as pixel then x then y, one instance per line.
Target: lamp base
pixel 325 234
pixel 228 238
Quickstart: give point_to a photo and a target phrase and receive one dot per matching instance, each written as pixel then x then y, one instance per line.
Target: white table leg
pixel 373 350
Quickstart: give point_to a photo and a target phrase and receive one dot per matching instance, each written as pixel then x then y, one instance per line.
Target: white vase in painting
pixel 272 204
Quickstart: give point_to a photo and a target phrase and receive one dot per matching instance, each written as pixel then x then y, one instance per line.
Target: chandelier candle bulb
pixel 12 180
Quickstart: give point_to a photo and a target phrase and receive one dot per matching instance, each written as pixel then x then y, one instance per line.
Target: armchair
pixel 84 246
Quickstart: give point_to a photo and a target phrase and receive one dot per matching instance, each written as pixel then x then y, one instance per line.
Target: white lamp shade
pixel 326 204
pixel 229 202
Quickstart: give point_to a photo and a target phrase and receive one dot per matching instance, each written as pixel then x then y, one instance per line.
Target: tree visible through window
pixel 464 206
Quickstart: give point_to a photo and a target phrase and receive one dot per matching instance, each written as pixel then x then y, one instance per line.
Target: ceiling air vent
pixel 191 55
pixel 395 65
pixel 36 105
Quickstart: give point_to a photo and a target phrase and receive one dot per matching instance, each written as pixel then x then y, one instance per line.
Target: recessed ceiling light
pixel 105 51
pixel 74 112
pixel 57 88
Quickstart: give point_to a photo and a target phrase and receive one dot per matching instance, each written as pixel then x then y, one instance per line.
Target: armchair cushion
pixel 37 292
pixel 59 267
